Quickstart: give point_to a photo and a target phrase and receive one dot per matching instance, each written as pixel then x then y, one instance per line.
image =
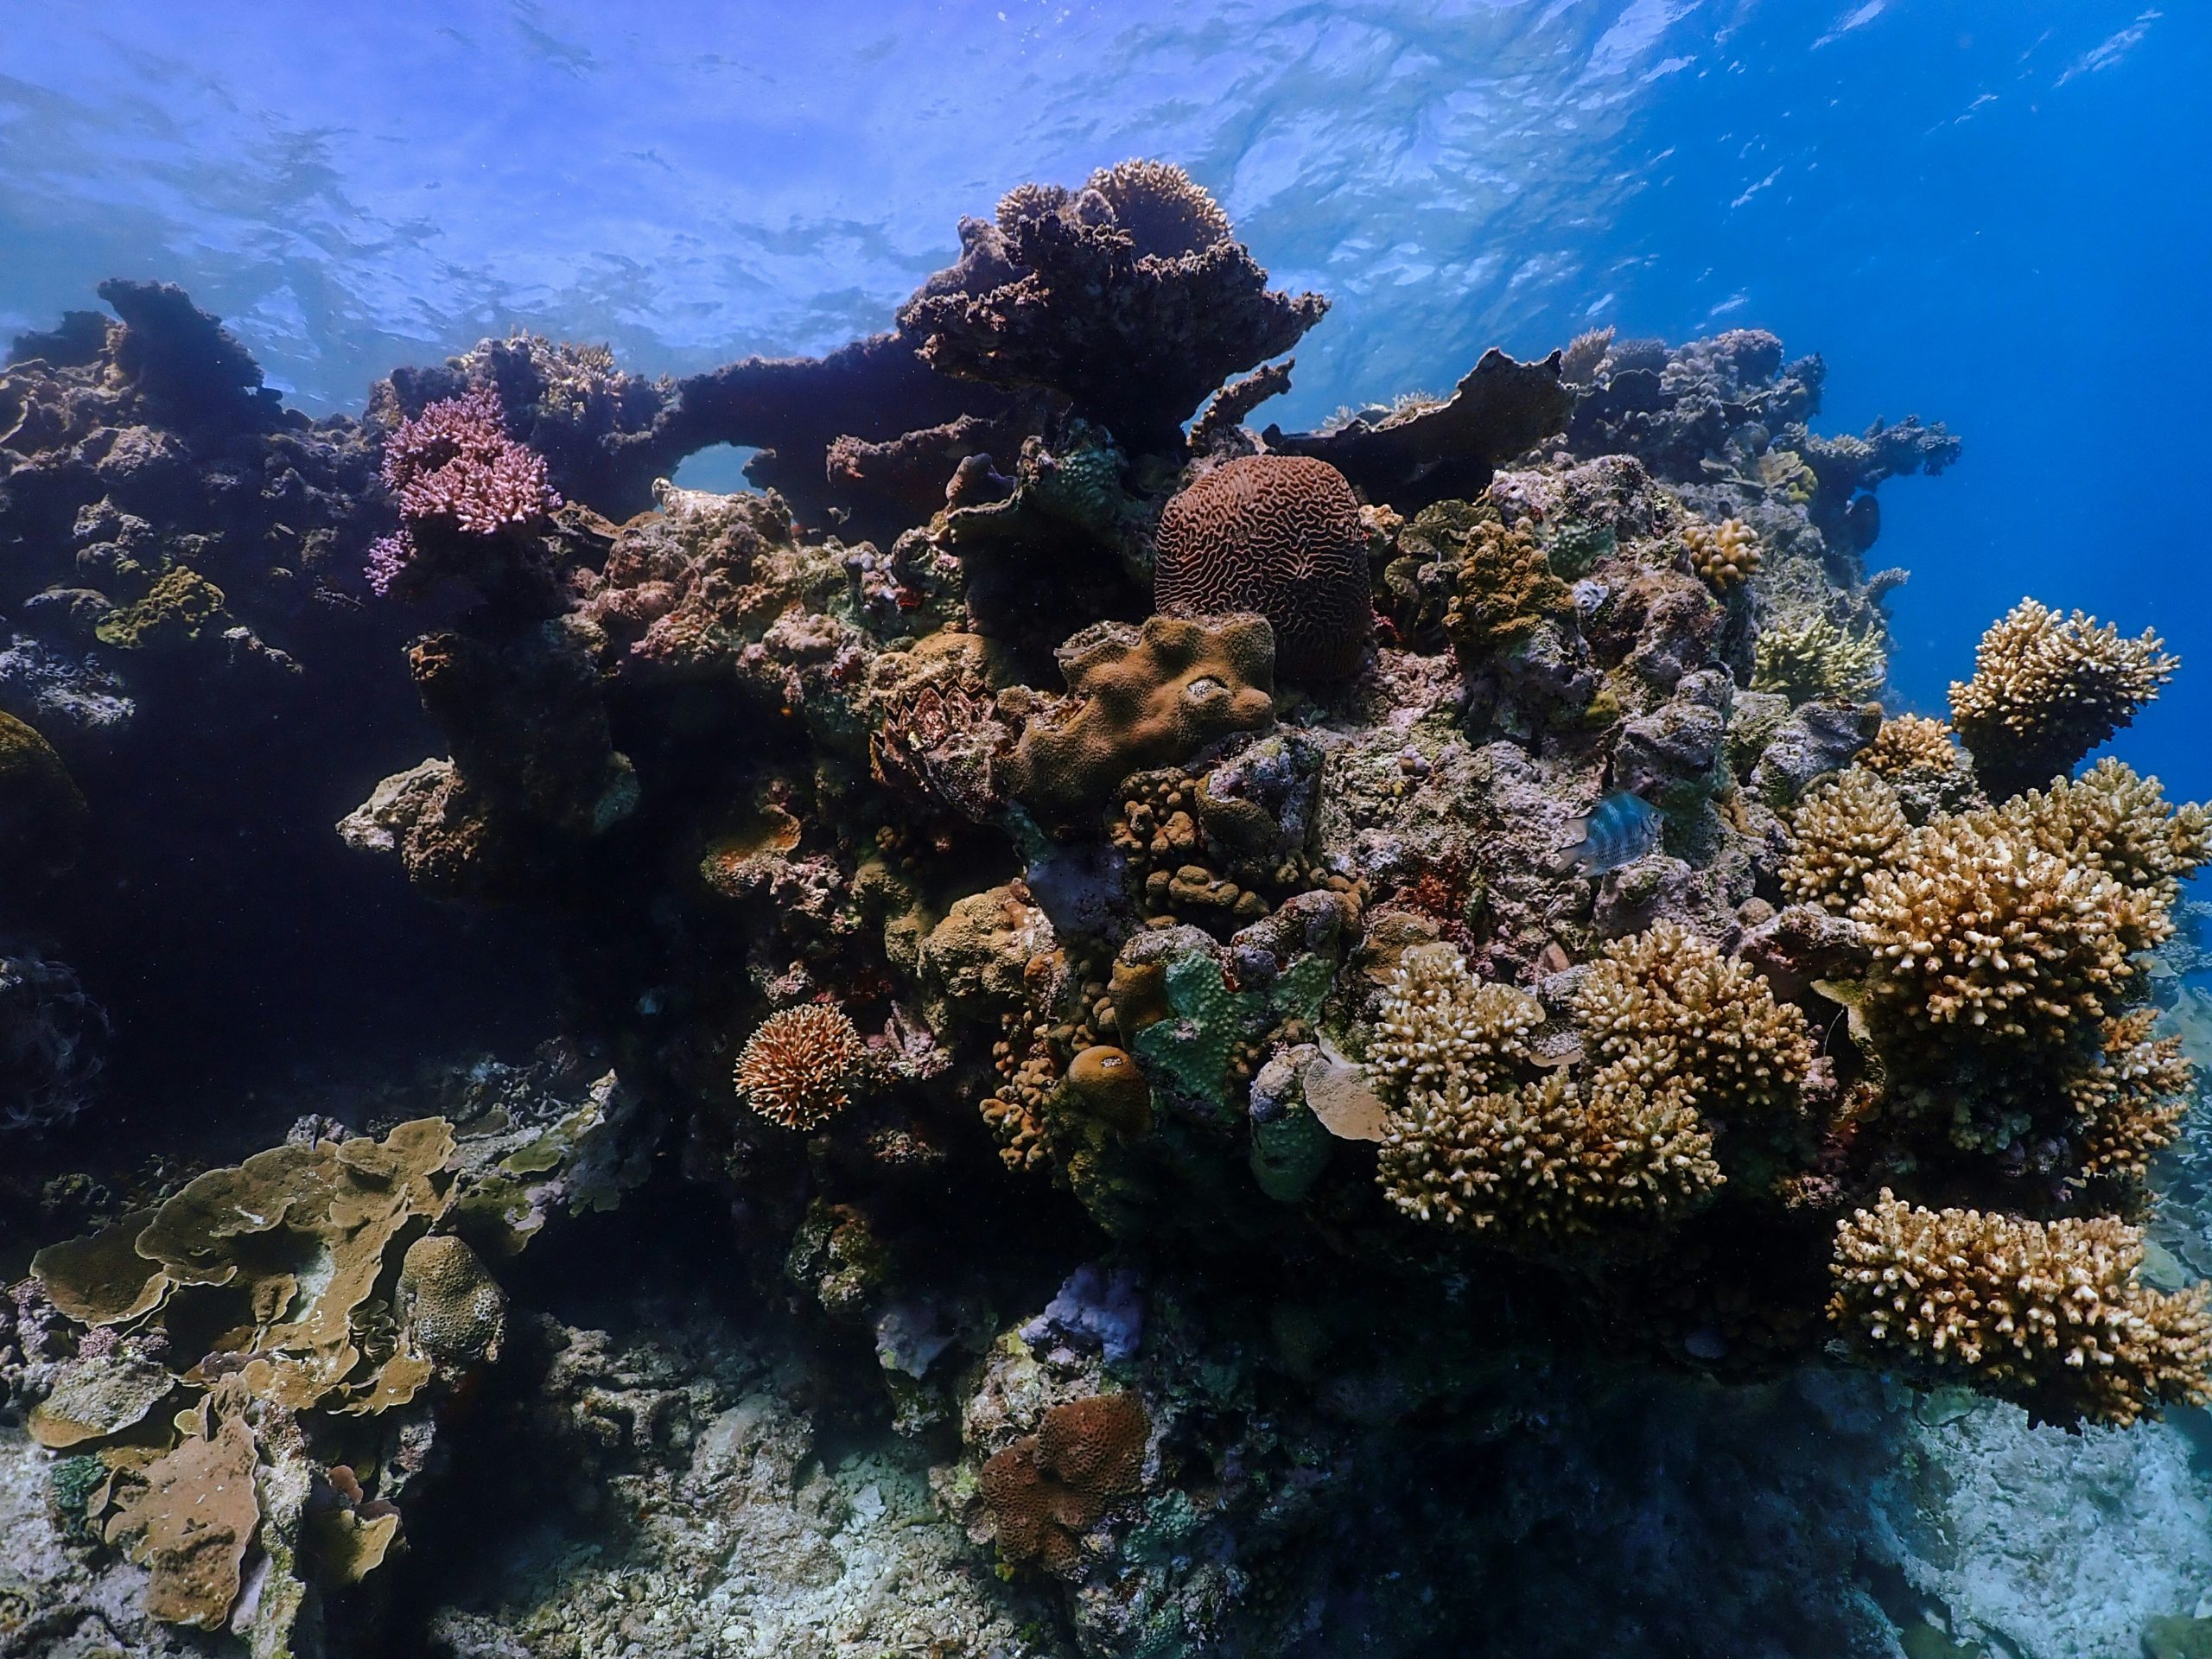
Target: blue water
pixel 1990 212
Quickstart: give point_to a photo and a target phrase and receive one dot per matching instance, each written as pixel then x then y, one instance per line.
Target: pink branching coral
pixel 454 465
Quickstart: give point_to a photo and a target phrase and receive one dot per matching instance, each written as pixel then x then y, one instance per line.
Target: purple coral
pixel 454 468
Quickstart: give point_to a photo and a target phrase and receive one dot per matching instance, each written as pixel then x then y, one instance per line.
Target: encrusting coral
pixel 2050 1314
pixel 800 1067
pixel 2048 688
pixel 1279 535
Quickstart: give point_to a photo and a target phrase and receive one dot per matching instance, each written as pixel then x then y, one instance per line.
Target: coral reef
pixel 1201 997
pixel 2050 1314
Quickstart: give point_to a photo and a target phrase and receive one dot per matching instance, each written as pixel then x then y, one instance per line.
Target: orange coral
pixel 798 1069
pixel 1279 535
pixel 1047 1489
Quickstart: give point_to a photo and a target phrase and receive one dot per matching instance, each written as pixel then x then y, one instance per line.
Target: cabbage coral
pixel 2046 689
pixel 1844 829
pixel 2049 1314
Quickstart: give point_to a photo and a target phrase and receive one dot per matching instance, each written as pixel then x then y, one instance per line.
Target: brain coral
pixel 450 1304
pixel 1142 697
pixel 1279 535
pixel 2046 689
pixel 799 1068
pixel 2049 1314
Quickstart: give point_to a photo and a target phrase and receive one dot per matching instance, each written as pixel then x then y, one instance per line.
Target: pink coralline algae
pixel 454 467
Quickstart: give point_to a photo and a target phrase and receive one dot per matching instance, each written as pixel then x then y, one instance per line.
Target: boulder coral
pixel 1281 536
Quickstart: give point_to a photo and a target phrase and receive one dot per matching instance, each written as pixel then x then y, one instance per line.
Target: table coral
pixel 2048 688
pixel 1127 295
pixel 1279 535
pixel 2050 1314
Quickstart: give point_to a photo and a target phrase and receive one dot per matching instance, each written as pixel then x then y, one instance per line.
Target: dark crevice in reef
pixel 1067 1031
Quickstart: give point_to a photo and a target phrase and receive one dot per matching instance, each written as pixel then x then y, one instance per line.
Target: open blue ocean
pixel 1067 830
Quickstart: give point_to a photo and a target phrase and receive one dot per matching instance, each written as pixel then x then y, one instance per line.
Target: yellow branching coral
pixel 2049 1315
pixel 2046 689
pixel 1912 745
pixel 1979 930
pixel 2111 820
pixel 1844 828
pixel 1668 1006
pixel 1724 554
pixel 800 1067
pixel 2131 1097
pixel 1546 1161
pixel 1438 1022
pixel 1806 657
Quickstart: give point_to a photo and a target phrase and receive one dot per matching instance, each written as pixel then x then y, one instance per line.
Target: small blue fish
pixel 1623 829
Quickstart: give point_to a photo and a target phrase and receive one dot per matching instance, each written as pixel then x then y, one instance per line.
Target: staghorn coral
pixel 2049 1315
pixel 453 470
pixel 1725 554
pixel 1128 297
pixel 1547 1162
pixel 1281 536
pixel 1808 657
pixel 1666 1006
pixel 1141 698
pixel 799 1067
pixel 1843 829
pixel 2048 688
pixel 1047 1490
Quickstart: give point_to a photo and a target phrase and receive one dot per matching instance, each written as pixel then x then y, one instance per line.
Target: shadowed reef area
pixel 1080 1025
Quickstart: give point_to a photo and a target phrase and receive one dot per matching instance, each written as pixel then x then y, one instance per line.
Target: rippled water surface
pixel 1990 213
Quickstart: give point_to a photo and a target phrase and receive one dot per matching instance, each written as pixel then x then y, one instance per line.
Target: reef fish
pixel 1623 829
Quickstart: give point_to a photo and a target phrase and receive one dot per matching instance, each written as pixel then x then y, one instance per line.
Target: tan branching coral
pixel 1281 536
pixel 1844 829
pixel 1438 1023
pixel 1668 1007
pixel 800 1067
pixel 1807 657
pixel 2047 689
pixel 1546 1161
pixel 2049 1315
pixel 2111 820
pixel 1979 932
pixel 1725 554
pixel 1142 697
pixel 1910 744
pixel 2131 1097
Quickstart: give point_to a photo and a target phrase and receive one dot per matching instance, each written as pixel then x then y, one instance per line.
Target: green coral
pixel 1807 657
pixel 71 1484
pixel 1194 1047
pixel 1503 590
pixel 178 609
